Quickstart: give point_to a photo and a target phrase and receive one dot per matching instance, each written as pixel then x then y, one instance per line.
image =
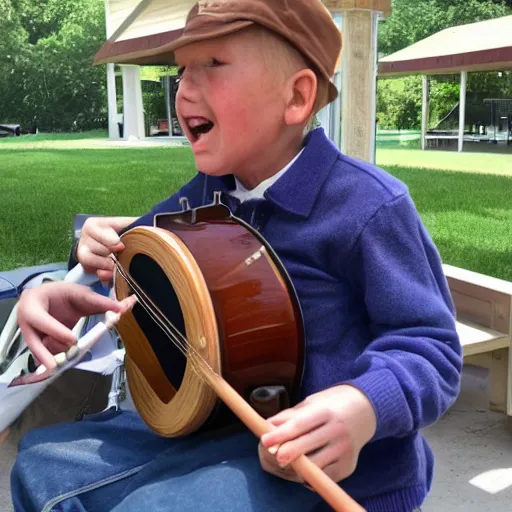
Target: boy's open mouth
pixel 199 126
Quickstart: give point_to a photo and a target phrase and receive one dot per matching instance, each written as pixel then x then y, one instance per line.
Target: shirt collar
pixel 258 192
pixel 297 189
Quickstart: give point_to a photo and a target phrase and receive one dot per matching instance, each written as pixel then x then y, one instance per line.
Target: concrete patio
pixel 473 447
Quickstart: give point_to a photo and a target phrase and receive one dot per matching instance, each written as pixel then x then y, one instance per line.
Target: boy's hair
pixel 305 25
pixel 285 59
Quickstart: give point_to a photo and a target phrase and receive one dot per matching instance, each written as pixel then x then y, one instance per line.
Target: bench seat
pixel 484 325
pixel 476 339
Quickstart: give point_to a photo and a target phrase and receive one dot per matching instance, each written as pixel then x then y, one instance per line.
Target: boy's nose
pixel 189 85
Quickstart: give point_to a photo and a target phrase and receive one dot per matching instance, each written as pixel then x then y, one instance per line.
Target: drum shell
pixel 258 318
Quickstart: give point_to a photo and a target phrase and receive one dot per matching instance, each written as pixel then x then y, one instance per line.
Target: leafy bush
pixel 399 103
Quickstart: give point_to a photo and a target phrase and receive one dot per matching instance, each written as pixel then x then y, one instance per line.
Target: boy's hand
pixel 47 314
pixel 4 435
pixel 98 239
pixel 330 427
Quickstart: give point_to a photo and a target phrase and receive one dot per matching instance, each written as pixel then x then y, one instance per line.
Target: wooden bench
pixel 484 324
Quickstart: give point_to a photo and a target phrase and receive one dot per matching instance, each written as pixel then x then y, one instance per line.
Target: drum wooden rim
pixel 194 400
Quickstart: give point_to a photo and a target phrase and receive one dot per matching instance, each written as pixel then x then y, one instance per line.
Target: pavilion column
pixel 113 129
pixel 359 73
pixel 133 116
pixel 425 111
pixel 462 108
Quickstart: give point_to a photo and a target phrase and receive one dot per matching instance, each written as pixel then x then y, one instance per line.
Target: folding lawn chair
pixel 85 389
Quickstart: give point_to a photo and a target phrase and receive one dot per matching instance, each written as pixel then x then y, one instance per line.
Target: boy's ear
pixel 301 97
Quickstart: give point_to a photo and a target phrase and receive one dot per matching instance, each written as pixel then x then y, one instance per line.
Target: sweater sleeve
pixel 411 369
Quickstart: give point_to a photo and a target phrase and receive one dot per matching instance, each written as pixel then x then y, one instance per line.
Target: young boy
pixel 383 357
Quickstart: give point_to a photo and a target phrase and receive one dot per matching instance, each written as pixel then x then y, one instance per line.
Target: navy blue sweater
pixel 376 305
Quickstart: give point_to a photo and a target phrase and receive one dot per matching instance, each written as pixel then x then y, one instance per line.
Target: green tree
pixel 399 103
pixel 399 100
pixel 413 20
pixel 43 18
pixel 49 74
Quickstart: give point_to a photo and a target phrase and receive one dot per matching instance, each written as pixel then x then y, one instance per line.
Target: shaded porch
pixel 477 47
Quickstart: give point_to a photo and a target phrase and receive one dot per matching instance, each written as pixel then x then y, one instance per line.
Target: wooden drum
pixel 226 292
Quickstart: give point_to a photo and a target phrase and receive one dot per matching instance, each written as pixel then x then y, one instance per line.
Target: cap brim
pixel 166 52
pixel 208 32
pixel 163 54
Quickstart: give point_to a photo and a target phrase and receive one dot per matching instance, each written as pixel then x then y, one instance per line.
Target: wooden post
pixel 499 380
pixel 383 6
pixel 462 108
pixel 359 72
pixel 425 112
pixel 330 115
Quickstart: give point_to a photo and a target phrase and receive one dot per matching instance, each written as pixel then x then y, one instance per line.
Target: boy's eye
pixel 213 63
pixel 181 70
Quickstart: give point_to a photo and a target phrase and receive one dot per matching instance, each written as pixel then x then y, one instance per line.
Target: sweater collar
pixel 296 190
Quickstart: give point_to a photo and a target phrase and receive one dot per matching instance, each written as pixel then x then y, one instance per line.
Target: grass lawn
pixel 469 215
pixel 41 190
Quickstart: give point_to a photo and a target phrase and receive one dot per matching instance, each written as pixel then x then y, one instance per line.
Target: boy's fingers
pixel 305 444
pixel 282 417
pixel 269 464
pixel 330 454
pixel 128 303
pixel 287 414
pixel 106 231
pixel 105 276
pixel 120 223
pixel 4 435
pixel 40 321
pixel 90 303
pixel 93 262
pixel 298 424
pixel 39 351
pixel 55 346
pixel 95 247
pixel 105 236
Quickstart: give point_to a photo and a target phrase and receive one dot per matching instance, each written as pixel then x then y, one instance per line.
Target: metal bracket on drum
pixel 269 400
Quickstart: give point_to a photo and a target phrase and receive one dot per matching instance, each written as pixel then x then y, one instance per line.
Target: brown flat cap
pixel 306 24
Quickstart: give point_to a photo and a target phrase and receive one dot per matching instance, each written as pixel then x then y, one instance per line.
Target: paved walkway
pixel 474 162
pixel 33 142
pixel 473 447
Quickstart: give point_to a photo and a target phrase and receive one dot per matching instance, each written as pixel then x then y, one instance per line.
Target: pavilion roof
pixel 482 46
pixel 140 29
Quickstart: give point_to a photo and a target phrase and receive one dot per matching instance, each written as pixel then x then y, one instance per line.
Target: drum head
pixel 167 391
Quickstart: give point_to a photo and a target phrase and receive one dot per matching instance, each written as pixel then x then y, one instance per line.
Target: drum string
pixel 198 363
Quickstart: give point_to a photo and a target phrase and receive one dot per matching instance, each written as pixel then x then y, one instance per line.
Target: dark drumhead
pixel 152 279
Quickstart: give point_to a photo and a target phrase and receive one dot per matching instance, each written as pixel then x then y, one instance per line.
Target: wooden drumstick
pixel 332 493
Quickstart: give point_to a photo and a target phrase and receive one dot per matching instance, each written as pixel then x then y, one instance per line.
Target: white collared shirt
pixel 243 194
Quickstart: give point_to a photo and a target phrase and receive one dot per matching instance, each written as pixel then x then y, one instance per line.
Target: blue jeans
pixel 113 462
